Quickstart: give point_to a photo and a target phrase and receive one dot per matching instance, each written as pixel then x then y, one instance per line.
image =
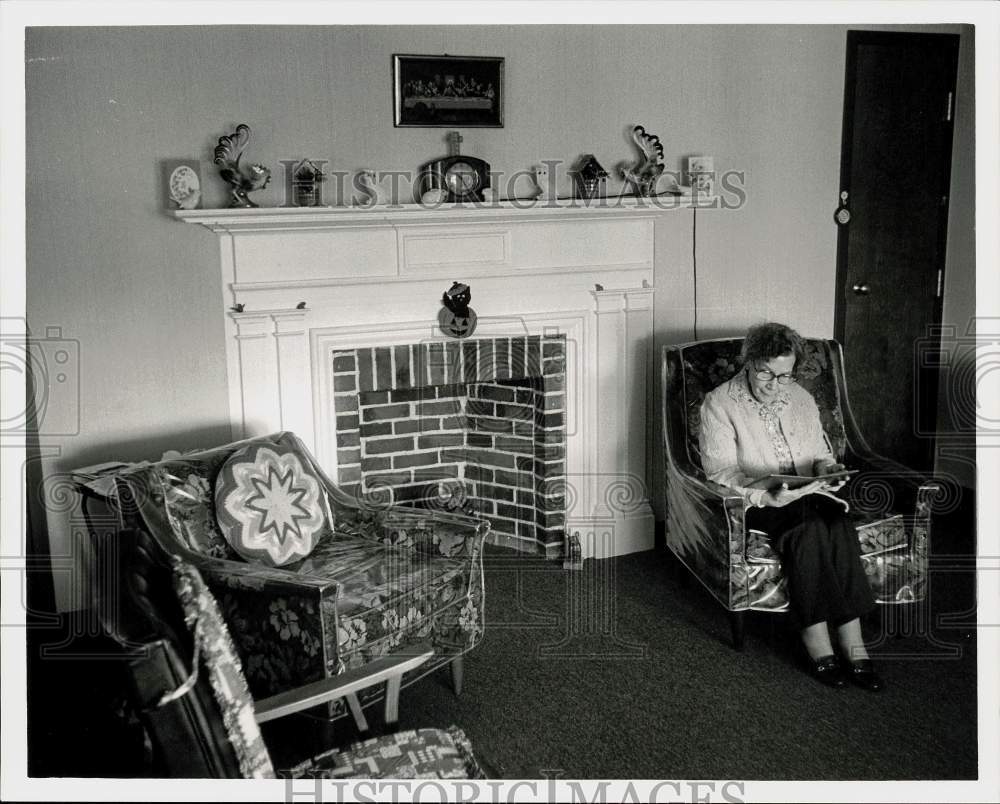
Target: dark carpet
pixel 653 689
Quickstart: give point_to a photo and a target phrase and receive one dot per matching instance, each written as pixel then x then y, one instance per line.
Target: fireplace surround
pixel 539 421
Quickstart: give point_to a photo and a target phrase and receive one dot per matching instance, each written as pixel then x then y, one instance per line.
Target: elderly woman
pixel 759 423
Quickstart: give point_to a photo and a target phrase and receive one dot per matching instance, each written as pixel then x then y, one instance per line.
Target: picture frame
pixel 448 91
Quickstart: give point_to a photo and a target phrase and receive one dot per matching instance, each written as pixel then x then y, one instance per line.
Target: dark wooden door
pixel 899 104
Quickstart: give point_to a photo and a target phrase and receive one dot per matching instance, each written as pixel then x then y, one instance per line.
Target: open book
pixel 797 481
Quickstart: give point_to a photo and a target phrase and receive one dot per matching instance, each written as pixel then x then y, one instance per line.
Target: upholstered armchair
pixel 186 683
pixel 705 525
pixel 381 580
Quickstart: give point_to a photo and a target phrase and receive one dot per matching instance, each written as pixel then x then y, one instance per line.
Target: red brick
pixel 441 440
pixel 383 412
pixel 414 459
pixel 380 446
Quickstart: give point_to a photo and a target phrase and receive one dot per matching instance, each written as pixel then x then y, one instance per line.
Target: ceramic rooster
pixel 647 170
pixel 241 180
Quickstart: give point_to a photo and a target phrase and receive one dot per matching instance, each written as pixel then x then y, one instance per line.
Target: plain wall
pixel 141 293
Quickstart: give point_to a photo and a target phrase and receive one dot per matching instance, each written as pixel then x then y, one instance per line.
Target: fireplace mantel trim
pixel 278 219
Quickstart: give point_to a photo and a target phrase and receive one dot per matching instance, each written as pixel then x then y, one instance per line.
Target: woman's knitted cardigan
pixel 736 447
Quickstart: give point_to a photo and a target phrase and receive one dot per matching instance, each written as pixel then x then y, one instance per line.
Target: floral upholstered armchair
pixel 186 683
pixel 705 527
pixel 380 580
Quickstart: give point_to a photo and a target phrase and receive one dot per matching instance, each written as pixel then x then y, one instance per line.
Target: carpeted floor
pixel 656 691
pixel 619 671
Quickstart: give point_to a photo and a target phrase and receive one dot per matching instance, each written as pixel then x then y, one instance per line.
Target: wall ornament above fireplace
pixel 456 318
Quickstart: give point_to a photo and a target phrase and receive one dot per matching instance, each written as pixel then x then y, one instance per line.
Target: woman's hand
pixel 782 495
pixel 826 467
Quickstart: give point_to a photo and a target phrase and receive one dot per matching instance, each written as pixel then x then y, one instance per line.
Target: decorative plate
pixel 185 187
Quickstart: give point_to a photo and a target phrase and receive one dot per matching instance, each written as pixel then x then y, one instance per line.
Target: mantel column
pixel 271 351
pixel 622 517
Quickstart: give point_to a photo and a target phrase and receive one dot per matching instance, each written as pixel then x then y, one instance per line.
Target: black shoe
pixel 862 674
pixel 827 670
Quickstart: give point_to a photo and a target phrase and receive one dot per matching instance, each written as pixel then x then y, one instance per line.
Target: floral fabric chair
pixel 705 525
pixel 387 580
pixel 202 722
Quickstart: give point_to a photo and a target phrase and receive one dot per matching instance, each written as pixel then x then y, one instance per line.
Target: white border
pixel 15 15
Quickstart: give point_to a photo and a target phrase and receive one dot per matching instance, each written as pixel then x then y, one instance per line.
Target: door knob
pixel 843 215
pixel 861 290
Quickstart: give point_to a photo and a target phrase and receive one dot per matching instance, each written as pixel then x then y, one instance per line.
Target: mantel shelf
pixel 275 219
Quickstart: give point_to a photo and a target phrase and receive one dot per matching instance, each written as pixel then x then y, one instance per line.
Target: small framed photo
pixel 448 91
pixel 182 181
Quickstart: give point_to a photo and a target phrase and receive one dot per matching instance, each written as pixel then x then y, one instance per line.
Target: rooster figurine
pixel 240 181
pixel 644 174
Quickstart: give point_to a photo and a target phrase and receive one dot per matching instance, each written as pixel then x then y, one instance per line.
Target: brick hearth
pixel 486 419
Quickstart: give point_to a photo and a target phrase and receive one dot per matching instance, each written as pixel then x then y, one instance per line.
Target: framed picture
pixel 448 91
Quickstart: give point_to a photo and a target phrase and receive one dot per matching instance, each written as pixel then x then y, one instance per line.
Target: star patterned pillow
pixel 269 506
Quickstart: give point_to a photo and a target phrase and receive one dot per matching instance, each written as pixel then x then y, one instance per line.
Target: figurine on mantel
pixel 241 180
pixel 644 174
pixel 541 177
pixel 590 177
pixel 306 178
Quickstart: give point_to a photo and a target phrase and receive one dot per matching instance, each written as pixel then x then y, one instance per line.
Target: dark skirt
pixel 820 557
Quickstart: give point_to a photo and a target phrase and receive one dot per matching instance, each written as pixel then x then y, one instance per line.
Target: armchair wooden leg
pixel 356 711
pixel 392 699
pixel 457 670
pixel 736 620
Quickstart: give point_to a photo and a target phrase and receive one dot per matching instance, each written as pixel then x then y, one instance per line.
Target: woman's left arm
pixel 819 445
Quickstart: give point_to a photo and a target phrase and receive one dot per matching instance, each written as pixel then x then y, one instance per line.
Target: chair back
pixel 174 499
pixel 691 370
pixel 191 694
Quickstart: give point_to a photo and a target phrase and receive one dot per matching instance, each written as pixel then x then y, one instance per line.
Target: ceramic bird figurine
pixel 240 180
pixel 648 169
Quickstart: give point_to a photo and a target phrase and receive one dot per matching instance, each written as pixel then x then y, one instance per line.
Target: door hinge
pixel 948 107
pixel 940 277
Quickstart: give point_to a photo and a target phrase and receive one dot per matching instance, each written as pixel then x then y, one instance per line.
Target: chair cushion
pixel 270 508
pixel 412 754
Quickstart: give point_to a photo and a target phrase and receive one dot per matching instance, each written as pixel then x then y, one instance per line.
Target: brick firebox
pixel 418 423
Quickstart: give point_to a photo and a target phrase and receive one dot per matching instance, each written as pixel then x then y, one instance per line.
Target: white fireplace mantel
pixel 300 282
pixel 272 219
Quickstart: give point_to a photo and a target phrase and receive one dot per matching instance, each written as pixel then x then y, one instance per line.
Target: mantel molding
pixel 286 219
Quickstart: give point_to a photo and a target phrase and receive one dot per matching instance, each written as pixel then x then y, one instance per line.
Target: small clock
pixel 463 178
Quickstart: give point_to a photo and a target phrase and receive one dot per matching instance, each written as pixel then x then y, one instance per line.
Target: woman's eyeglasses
pixel 765 375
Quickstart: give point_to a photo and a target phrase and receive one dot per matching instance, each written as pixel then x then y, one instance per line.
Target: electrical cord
pixel 694 264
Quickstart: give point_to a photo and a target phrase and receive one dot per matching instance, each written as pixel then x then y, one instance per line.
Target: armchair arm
pixel 883 484
pixel 706 529
pixel 279 620
pixel 268 580
pixel 709 515
pixel 385 668
pixel 430 532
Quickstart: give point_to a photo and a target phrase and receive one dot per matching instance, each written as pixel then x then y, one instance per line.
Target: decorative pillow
pixel 269 506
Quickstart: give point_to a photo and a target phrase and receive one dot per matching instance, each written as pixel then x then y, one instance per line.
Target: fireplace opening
pixel 476 426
